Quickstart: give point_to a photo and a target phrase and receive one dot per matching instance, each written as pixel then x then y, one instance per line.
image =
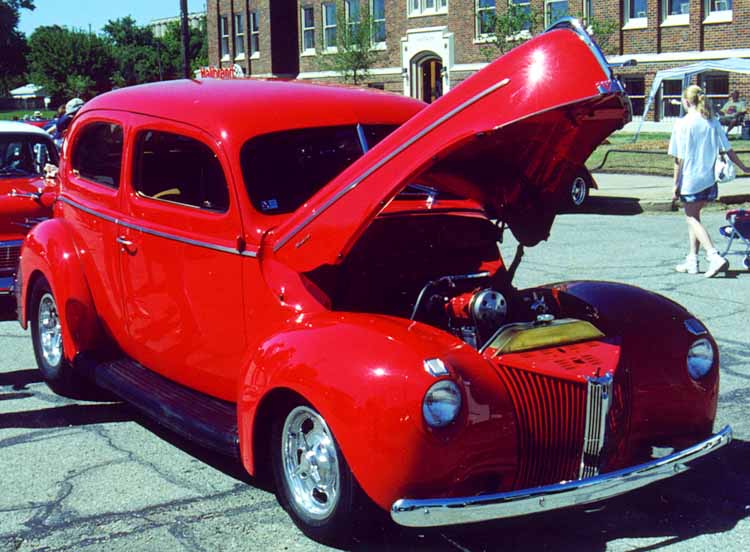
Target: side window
pixel 179 169
pixel 97 154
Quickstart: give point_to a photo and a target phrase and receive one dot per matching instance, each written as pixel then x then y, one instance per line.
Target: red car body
pixel 365 336
pixel 24 151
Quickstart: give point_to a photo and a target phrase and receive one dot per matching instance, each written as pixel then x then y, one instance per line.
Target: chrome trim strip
pixel 598 402
pixel 157 233
pixel 473 509
pixel 386 159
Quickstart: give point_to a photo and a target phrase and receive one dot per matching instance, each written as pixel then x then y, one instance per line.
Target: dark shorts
pixel 709 194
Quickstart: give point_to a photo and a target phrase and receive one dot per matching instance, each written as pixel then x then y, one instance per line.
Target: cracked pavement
pixel 95 476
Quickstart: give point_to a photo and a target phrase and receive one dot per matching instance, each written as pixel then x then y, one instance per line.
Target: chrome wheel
pixel 310 463
pixel 50 334
pixel 578 191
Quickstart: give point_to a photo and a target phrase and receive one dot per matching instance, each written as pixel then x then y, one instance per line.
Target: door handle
pixel 126 245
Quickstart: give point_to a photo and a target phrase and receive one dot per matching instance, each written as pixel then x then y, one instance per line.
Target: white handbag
pixel 724 170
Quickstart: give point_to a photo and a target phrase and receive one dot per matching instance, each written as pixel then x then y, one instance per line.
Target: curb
pixel 617 205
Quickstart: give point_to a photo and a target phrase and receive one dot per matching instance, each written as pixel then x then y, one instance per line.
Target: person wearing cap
pixel 71 108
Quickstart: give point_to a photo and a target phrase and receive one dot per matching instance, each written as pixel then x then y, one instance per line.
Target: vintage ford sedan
pixel 24 152
pixel 313 285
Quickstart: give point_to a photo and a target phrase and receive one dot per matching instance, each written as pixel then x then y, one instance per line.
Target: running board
pixel 205 420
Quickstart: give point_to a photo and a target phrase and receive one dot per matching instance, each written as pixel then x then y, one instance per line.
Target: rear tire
pixel 46 336
pixel 313 481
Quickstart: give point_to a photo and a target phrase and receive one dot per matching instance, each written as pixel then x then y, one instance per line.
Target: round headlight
pixel 700 358
pixel 441 405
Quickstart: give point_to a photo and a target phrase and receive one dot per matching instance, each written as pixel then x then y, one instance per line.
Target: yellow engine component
pixel 525 336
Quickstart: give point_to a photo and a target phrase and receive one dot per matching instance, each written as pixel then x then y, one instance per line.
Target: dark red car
pixel 307 277
pixel 24 151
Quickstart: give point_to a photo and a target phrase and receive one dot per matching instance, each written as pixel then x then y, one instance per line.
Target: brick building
pixel 426 47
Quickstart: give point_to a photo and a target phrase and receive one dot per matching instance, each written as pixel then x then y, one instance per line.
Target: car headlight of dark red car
pixel 700 358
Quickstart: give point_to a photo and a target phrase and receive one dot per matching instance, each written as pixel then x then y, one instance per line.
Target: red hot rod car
pixel 24 152
pixel 314 285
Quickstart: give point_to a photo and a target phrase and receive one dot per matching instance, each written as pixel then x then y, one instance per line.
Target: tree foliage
pixel 508 28
pixel 135 52
pixel 353 56
pixel 70 63
pixel 13 47
pixel 197 46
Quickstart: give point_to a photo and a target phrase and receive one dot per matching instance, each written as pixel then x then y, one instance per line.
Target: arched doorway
pixel 427 76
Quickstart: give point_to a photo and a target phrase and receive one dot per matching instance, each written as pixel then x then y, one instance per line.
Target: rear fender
pixel 365 375
pixel 50 244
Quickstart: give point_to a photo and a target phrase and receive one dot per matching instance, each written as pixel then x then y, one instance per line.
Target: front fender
pixel 668 407
pixel 365 375
pixel 50 252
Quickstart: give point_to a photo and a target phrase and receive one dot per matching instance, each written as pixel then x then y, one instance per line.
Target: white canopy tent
pixel 687 72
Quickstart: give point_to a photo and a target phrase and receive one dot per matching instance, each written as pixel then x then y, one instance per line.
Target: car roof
pixel 18 127
pixel 247 107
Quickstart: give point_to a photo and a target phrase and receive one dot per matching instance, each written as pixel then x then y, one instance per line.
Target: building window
pixel 329 25
pixel 636 12
pixel 588 10
pixel 554 10
pixel 239 36
pixel 718 11
pixel 427 7
pixel 485 17
pixel 224 31
pixel 377 13
pixel 635 86
pixel 254 34
pixel 671 95
pixel 308 29
pixel 523 6
pixel 351 11
pixel 675 12
pixel 716 86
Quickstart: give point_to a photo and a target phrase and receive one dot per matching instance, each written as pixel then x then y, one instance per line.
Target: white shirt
pixel 697 142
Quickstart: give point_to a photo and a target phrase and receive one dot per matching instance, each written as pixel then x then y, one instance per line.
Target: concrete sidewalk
pixel 654 193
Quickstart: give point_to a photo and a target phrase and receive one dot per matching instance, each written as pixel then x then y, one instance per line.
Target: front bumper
pixel 6 285
pixel 473 509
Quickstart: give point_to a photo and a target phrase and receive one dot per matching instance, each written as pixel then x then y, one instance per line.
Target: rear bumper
pixel 473 509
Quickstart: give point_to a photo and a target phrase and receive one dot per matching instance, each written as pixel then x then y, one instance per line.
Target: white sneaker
pixel 689 266
pixel 716 264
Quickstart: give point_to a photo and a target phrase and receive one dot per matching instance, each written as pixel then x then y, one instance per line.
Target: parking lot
pixel 97 476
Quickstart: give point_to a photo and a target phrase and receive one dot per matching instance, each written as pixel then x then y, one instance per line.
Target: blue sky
pixel 79 14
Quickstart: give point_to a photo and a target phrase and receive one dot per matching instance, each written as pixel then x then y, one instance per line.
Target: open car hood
pixel 509 137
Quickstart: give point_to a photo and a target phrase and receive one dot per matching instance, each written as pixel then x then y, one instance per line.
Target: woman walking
pixel 696 141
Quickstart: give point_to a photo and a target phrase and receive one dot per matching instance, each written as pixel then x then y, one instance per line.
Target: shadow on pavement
pixel 66 416
pixel 19 379
pixel 610 206
pixel 710 499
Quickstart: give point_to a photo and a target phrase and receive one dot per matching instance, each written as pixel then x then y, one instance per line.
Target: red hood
pixel 507 136
pixel 15 210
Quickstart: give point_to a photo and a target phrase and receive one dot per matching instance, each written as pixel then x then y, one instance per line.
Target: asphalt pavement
pixel 98 477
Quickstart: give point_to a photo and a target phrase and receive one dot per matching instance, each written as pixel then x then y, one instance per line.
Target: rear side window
pixel 98 153
pixel 282 170
pixel 179 169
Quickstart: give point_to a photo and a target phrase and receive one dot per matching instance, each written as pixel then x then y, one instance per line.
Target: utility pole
pixel 185 39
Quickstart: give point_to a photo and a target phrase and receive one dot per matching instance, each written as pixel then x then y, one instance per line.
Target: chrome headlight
pixel 441 404
pixel 700 358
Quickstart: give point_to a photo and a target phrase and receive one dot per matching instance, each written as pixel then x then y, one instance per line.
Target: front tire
pixel 579 190
pixel 313 481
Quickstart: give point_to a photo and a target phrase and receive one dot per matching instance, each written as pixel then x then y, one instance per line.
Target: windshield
pixel 282 170
pixel 25 154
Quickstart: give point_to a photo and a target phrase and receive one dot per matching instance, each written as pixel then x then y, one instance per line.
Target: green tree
pixel 602 30
pixel 197 47
pixel 70 63
pixel 13 47
pixel 135 52
pixel 354 56
pixel 504 30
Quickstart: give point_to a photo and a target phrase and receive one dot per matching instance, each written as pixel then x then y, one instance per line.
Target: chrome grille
pixel 598 402
pixel 9 258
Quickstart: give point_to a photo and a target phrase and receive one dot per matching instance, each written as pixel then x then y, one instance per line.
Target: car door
pixel 180 264
pixel 91 175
